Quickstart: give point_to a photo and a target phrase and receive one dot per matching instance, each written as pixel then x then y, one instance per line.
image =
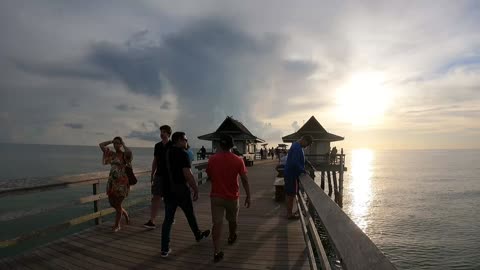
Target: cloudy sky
pixel 383 74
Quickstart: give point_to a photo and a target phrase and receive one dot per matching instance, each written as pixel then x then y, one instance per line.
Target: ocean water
pixel 24 165
pixel 420 207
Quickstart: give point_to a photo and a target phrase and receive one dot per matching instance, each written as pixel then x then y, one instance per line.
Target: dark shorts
pixel 157 185
pixel 291 185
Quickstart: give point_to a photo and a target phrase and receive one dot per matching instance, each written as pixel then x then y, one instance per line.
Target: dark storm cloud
pixel 166 105
pixel 74 103
pixel 151 136
pixel 138 68
pixel 61 70
pixel 125 107
pixel 200 59
pixel 74 125
pixel 213 66
pixel 149 132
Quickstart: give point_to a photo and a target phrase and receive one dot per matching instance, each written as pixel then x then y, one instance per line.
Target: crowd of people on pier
pixel 173 183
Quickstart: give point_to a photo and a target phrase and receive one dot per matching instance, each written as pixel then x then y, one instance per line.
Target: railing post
pixel 95 203
pixel 340 178
pixel 330 188
pixel 335 186
pixel 199 176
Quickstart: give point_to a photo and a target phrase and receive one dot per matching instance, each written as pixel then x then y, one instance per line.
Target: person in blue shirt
pixel 294 166
pixel 190 153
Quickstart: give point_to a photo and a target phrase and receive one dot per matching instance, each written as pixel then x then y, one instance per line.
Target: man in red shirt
pixel 223 170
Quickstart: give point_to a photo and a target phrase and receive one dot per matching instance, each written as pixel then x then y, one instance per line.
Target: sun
pixel 363 100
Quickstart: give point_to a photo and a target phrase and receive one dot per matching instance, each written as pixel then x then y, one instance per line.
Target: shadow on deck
pixel 267 240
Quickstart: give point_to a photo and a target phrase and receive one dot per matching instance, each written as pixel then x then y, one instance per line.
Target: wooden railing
pixel 351 245
pixel 95 179
pixel 325 158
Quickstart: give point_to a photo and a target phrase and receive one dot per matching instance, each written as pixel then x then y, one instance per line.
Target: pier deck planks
pixel 266 239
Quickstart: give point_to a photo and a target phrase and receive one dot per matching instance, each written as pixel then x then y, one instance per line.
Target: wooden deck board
pixel 266 239
pixel 56 260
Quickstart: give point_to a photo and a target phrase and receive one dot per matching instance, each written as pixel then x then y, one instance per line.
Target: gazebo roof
pixel 312 127
pixel 233 128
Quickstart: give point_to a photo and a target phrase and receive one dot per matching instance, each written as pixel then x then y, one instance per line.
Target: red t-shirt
pixel 223 169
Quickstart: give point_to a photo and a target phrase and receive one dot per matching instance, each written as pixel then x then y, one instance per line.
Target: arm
pixel 127 150
pixel 187 173
pixel 128 153
pixel 103 145
pixel 246 186
pixel 154 168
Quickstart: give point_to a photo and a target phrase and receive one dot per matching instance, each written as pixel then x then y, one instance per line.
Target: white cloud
pixel 428 51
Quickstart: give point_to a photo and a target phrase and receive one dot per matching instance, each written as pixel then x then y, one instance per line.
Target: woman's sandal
pixel 116 229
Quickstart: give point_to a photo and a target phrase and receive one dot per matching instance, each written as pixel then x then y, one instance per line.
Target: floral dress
pixel 117 184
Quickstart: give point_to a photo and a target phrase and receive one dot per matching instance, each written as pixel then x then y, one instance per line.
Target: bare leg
pixel 290 201
pixel 125 214
pixel 216 234
pixel 118 215
pixel 156 200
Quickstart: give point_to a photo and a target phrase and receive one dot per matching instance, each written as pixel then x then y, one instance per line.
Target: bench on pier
pixel 279 184
pixel 248 159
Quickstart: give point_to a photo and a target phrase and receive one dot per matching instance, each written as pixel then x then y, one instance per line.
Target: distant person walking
pixel 203 152
pixel 117 185
pixel 159 173
pixel 294 166
pixel 223 169
pixel 177 192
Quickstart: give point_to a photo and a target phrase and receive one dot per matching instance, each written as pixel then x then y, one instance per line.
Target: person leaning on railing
pixel 117 185
pixel 294 166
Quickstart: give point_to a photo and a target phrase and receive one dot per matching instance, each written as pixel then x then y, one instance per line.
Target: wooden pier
pixel 267 240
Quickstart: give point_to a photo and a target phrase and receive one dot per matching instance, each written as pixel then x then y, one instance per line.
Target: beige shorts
pixel 221 206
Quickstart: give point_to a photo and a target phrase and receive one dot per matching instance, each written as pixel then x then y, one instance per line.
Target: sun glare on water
pixel 361 186
pixel 363 100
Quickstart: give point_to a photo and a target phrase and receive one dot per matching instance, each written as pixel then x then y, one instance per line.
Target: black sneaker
pixel 149 225
pixel 202 235
pixel 164 254
pixel 218 256
pixel 232 239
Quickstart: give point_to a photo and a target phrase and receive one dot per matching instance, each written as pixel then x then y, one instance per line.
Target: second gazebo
pixel 321 139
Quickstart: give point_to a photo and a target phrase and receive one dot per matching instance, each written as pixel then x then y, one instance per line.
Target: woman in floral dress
pixel 117 185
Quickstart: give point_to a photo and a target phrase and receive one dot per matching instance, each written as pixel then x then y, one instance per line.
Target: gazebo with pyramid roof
pixel 321 138
pixel 244 140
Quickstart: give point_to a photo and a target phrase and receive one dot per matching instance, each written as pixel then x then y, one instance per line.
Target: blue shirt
pixel 295 164
pixel 190 155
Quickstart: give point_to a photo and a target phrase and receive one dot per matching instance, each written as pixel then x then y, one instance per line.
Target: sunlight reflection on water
pixel 360 187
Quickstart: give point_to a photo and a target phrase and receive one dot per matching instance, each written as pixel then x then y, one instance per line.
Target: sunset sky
pixel 383 74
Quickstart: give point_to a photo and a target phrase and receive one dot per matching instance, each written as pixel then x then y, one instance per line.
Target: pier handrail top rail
pixel 354 247
pixel 84 178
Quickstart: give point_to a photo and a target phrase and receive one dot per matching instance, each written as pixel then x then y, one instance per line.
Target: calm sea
pixel 421 207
